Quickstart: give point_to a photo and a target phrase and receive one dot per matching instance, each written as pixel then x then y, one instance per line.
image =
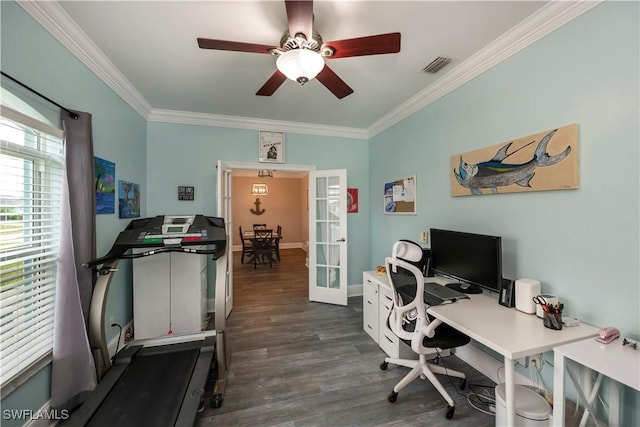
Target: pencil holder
pixel 552 320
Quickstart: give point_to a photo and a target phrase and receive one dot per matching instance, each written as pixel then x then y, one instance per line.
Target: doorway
pixel 224 191
pixel 282 202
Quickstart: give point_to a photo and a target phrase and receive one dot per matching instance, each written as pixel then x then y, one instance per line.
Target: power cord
pixel 118 343
pixel 474 398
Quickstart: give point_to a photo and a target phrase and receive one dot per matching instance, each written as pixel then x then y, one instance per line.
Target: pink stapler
pixel 608 334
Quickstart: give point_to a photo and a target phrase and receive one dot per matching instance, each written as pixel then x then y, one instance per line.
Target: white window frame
pixel 27 292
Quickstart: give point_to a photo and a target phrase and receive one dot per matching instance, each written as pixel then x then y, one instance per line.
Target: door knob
pixel 341 240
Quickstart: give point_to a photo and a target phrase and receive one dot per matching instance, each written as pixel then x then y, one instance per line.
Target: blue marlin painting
pixel 496 173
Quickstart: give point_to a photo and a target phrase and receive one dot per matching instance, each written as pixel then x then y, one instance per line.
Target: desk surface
pixel 618 362
pixel 506 330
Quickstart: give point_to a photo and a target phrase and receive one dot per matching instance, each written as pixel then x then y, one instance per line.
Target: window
pixel 31 167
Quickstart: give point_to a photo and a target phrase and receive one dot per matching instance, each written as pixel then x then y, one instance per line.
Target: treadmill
pixel 156 381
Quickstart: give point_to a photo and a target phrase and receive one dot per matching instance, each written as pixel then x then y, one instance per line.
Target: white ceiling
pixel 147 51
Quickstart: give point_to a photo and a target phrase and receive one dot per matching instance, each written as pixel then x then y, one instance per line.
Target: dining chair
pixel 259 226
pixel 276 243
pixel 247 247
pixel 262 247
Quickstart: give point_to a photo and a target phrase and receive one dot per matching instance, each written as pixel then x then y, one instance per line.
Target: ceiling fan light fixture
pixel 300 65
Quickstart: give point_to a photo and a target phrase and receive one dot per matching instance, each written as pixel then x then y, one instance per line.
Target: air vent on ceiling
pixel 436 65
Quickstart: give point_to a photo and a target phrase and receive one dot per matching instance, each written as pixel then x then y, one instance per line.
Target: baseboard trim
pixel 354 290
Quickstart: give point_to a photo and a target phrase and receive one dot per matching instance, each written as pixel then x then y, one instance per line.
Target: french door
pixel 328 236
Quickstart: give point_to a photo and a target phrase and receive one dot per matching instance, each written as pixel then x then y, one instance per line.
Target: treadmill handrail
pixel 154 251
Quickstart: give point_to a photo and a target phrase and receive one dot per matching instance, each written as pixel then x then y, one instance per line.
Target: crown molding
pixel 51 16
pixel 203 119
pixel 547 19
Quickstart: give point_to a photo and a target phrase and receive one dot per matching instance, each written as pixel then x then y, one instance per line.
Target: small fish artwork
pixel 544 161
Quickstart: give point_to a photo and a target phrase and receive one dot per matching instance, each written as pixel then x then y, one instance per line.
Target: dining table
pixel 258 256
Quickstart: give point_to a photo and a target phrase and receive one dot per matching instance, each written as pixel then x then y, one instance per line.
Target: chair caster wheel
pixel 393 396
pixel 450 411
pixel 463 383
pixel 384 366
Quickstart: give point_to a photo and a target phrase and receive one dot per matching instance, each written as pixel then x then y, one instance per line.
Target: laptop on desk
pixel 442 292
pixel 434 293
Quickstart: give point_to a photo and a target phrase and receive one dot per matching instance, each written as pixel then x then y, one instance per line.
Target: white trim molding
pixel 547 19
pixel 555 14
pixel 54 19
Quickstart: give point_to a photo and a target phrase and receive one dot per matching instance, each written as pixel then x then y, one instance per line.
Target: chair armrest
pixel 430 329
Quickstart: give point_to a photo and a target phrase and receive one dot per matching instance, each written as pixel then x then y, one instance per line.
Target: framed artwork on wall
pixel 400 196
pixel 352 200
pixel 128 199
pixel 544 161
pixel 105 182
pixel 186 192
pixel 271 146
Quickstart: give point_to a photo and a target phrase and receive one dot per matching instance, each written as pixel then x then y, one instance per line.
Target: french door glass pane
pixel 321 277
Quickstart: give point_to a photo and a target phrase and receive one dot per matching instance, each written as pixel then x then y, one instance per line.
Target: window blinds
pixel 31 167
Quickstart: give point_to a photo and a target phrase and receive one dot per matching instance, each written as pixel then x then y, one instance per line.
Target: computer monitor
pixel 474 261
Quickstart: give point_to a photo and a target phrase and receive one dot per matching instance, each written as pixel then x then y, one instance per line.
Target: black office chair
pixel 408 319
pixel 247 247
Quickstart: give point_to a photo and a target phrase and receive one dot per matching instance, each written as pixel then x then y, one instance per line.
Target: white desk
pixel 507 331
pixel 620 363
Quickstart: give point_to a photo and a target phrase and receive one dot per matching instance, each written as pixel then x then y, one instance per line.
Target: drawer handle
pixel 369 302
pixel 387 297
pixel 391 341
pixel 369 326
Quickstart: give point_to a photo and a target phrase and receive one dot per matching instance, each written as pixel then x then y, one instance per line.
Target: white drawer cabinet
pixel 370 309
pixel 376 304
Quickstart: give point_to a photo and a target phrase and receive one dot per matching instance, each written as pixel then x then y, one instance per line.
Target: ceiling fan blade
pixel 362 46
pixel 300 16
pixel 234 46
pixel 335 84
pixel 274 82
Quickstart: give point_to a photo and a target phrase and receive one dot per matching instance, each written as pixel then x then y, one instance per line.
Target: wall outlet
pixel 536 361
pixel 424 237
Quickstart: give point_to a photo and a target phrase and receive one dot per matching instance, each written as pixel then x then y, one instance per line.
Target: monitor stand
pixel 466 288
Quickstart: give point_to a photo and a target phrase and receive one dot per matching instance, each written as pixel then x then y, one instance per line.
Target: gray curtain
pixel 73 370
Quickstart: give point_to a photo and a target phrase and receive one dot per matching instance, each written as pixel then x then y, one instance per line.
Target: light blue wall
pixel 32 56
pixel 187 155
pixel 583 245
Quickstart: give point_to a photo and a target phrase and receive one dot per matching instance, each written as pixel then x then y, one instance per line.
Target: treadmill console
pixel 169 232
pixel 175 231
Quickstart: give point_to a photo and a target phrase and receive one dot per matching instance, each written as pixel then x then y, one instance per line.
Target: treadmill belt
pixel 151 390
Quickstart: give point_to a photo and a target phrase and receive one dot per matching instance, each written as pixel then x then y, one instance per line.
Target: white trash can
pixel 532 410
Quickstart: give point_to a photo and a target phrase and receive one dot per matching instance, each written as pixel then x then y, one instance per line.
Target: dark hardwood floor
pixel 299 363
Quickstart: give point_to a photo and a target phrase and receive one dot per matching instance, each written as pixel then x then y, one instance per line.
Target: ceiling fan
pixel 302 52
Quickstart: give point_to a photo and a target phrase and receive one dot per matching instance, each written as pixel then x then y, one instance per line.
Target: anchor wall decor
pixel 257 210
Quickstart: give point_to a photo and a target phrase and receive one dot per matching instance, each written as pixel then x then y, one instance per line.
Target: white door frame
pixel 224 165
